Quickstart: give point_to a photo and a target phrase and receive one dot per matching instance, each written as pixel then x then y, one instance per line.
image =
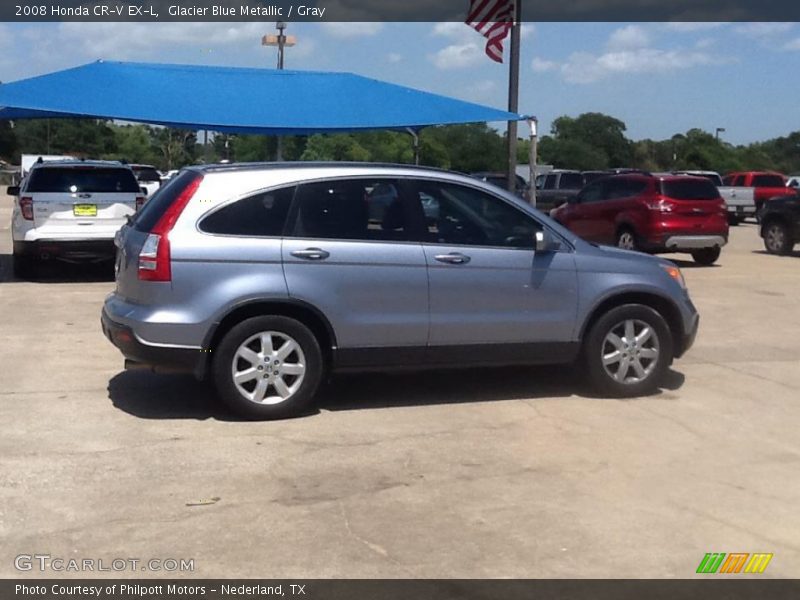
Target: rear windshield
pixel 571 181
pixel 146 174
pixel 689 189
pixel 82 179
pixel 768 181
pixel 151 212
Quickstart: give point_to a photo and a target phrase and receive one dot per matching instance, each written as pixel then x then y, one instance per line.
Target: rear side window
pixel 689 189
pixel 351 209
pixel 261 215
pixel 154 208
pixel 82 179
pixel 768 181
pixel 147 175
pixel 571 181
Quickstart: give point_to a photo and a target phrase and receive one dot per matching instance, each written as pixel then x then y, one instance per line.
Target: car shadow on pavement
pixel 60 272
pixel 152 396
pixel 793 253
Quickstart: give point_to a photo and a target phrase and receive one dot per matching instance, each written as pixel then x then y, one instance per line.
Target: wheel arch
pixel 305 313
pixel 661 304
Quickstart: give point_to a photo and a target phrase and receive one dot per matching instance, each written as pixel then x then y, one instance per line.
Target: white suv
pixel 71 211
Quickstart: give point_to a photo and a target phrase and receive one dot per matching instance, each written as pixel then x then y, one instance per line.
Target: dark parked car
pixel 557 187
pixel 780 224
pixel 500 179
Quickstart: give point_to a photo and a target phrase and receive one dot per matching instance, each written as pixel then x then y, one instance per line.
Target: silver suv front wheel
pixel 267 367
pixel 627 351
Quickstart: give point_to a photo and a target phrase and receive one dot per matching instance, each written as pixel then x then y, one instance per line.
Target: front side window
pixel 351 209
pixel 550 182
pixel 263 214
pixel 460 215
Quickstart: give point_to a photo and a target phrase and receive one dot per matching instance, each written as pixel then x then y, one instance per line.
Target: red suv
pixel 651 213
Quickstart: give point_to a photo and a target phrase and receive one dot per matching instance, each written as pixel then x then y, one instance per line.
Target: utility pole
pixel 533 123
pixel 281 41
pixel 513 96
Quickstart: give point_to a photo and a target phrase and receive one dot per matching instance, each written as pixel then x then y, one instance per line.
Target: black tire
pixel 626 239
pixel 23 266
pixel 596 346
pixel 777 237
pixel 310 356
pixel 706 256
pixel 734 220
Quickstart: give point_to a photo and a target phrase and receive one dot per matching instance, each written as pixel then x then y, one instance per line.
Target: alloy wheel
pixel 268 367
pixel 630 351
pixel 626 241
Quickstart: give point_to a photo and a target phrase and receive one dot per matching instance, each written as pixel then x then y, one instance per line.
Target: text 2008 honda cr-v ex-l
pixel 262 278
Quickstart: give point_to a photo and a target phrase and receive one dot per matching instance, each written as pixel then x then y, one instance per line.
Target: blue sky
pixel 659 78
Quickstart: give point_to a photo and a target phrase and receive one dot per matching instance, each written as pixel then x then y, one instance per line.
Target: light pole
pixel 718 131
pixel 281 41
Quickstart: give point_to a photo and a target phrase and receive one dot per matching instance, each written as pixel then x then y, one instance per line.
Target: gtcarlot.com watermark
pixel 45 562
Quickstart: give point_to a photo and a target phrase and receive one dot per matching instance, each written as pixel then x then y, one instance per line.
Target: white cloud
pixel 351 30
pixel 458 56
pixel 792 45
pixel 541 65
pixel 584 67
pixel 454 30
pixel 527 30
pixel 689 26
pixel 763 30
pixel 394 57
pixel 630 36
pixel 129 40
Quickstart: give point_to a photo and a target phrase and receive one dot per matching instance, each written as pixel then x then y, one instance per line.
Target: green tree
pixel 91 138
pixel 571 154
pixel 134 143
pixel 472 147
pixel 8 142
pixel 606 134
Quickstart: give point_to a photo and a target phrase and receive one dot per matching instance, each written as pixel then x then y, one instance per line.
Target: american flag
pixel 493 19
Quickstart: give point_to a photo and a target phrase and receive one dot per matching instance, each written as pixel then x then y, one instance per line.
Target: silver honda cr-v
pixel 263 277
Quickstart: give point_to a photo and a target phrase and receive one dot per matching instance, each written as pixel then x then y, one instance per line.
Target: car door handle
pixel 311 254
pixel 454 258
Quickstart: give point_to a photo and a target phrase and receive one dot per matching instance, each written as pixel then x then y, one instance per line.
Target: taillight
pixel 139 202
pixel 26 208
pixel 154 257
pixel 659 204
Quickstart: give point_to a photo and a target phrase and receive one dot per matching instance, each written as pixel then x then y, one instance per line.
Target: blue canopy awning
pixel 234 100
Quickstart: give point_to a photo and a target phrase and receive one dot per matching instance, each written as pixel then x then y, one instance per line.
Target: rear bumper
pixel 161 358
pixel 67 250
pixel 748 210
pixel 694 242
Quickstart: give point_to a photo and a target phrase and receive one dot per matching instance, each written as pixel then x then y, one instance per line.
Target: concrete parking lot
pixel 482 473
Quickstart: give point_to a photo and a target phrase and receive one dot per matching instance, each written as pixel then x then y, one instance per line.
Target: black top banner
pixel 394 10
pixel 713 588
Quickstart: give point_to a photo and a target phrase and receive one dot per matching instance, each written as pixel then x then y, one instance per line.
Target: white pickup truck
pixel 740 201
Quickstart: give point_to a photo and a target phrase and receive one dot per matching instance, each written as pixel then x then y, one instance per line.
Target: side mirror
pixel 144 190
pixel 545 242
pixel 12 190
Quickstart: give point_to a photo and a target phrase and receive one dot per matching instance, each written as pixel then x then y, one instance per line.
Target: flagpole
pixel 513 96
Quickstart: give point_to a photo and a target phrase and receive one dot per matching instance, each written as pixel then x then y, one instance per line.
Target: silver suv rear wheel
pixel 267 367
